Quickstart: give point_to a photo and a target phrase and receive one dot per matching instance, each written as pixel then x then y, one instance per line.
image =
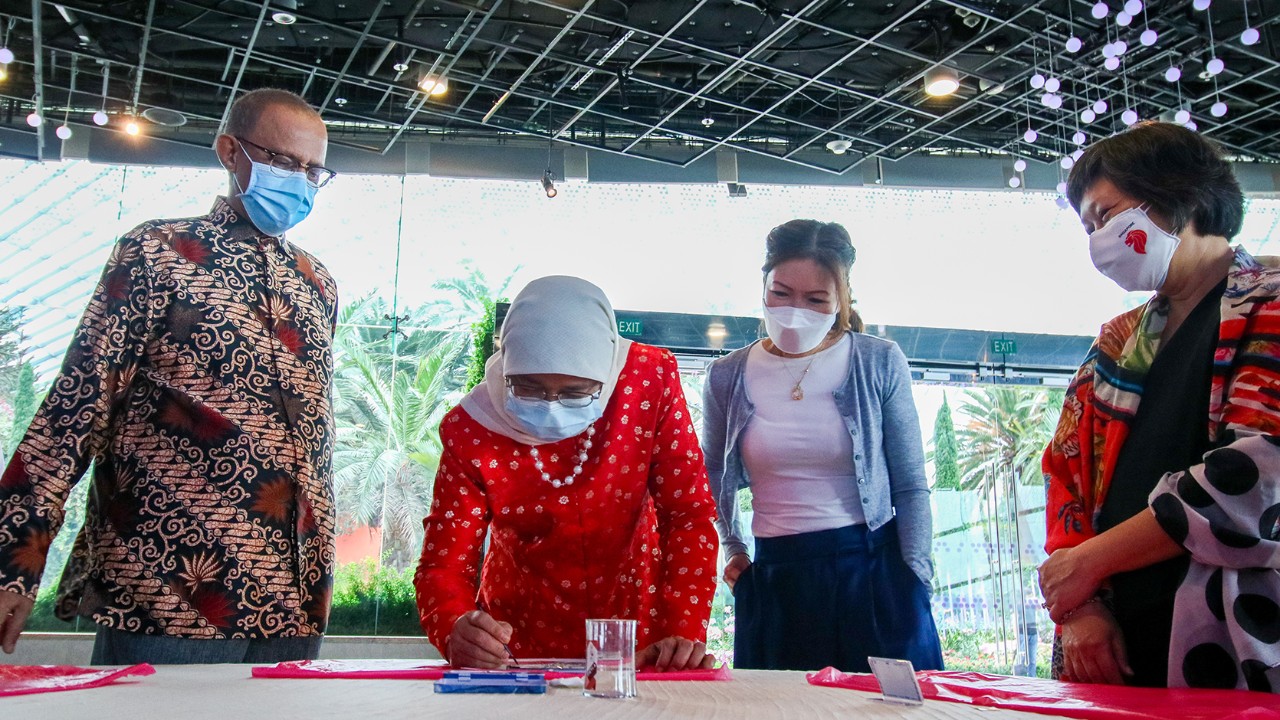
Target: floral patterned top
pixel 632 537
pixel 198 385
pixel 1224 511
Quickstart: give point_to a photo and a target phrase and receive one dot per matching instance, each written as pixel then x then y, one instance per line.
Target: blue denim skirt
pixel 832 598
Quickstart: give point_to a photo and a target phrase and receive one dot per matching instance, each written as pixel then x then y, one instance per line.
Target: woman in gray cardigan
pixel 818 420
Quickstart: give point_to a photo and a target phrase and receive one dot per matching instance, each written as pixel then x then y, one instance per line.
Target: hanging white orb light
pixel 1052 84
pixel 1133 7
pixel 100 118
pixel 1062 187
pixel 1173 73
pixel 1100 10
pixel 1088 115
pixel 1218 109
pixel 34 119
pixel 1030 135
pixel 63 132
pixel 1148 37
pixel 1109 50
pixel 1074 44
pixel 1078 138
pixel 1111 63
pixel 1121 47
pixel 1020 165
pixel 1129 117
pixel 1037 81
pixel 6 56
pixel 1100 106
pixel 1215 65
pixel 1250 36
pixel 1200 4
pixel 1191 125
pixel 1076 155
pixel 1066 162
pixel 1123 18
pixel 1015 182
pixel 1182 117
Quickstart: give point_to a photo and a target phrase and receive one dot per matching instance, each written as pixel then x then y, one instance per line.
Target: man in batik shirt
pixel 198 385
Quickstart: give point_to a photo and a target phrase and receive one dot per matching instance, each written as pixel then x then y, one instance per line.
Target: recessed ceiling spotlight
pixel 339 101
pixel 839 146
pixel 285 15
pixel 400 66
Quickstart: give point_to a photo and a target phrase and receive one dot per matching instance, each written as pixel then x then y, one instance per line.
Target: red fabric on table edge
pixel 1075 700
pixel 425 670
pixel 28 679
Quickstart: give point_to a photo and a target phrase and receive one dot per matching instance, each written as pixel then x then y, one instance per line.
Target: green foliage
pixel 1007 431
pixel 389 396
pixel 945 453
pixel 481 342
pixel 373 599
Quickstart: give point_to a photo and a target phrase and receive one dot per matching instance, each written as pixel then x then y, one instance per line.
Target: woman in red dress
pixel 577 459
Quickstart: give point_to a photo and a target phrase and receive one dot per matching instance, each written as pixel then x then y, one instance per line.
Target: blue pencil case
pixel 499 682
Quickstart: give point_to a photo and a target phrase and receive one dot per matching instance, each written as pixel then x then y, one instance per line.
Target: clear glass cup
pixel 611 659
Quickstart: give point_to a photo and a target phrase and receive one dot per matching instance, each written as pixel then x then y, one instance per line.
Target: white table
pixel 180 692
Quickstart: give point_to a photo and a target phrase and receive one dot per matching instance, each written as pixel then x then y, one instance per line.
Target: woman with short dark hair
pixel 818 419
pixel 1163 494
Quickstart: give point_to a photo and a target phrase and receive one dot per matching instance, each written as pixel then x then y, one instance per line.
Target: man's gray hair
pixel 246 110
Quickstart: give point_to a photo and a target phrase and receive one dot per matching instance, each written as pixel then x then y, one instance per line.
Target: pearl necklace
pixel 583 446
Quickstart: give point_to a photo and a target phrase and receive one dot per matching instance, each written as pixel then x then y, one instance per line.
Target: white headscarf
pixel 557 324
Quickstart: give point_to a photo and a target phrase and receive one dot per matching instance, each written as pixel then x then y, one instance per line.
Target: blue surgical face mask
pixel 549 421
pixel 275 204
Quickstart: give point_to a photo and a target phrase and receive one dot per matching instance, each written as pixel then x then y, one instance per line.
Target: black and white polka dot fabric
pixel 1226 513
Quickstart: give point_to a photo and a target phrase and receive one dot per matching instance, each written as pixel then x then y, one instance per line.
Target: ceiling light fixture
pixel 941 80
pixel 434 85
pixel 64 130
pixel 548 184
pixel 1250 36
pixel 34 119
pixel 6 56
pixel 285 15
pixel 1100 10
pixel 839 146
pixel 131 126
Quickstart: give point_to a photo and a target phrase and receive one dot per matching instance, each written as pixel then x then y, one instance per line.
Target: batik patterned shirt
pixel 198 385
pixel 631 537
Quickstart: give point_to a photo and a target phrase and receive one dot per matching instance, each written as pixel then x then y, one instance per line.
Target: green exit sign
pixel 1004 347
pixel 633 328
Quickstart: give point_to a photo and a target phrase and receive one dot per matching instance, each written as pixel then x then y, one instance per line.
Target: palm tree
pixel 390 394
pixel 1000 445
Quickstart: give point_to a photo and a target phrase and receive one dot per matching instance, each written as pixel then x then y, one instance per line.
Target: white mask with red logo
pixel 1133 251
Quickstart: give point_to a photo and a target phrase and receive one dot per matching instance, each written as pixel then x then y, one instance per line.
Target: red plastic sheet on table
pixel 434 670
pixel 1075 700
pixel 26 679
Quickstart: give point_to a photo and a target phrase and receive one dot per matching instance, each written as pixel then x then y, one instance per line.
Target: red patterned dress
pixel 632 537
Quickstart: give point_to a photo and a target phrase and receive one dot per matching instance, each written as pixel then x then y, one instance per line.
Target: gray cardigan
pixel 879 413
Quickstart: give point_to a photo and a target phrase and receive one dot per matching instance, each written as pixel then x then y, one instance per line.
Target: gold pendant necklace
pixel 797 392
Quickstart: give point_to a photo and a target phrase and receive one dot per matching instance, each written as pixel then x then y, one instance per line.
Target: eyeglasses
pixel 282 166
pixel 567 398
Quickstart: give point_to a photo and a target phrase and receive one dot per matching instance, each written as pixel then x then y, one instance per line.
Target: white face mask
pixel 1133 251
pixel 797 330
